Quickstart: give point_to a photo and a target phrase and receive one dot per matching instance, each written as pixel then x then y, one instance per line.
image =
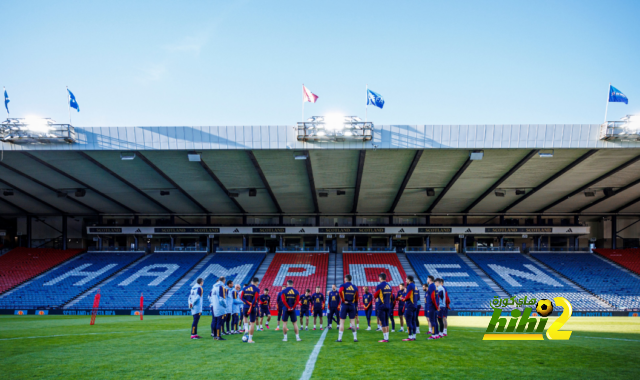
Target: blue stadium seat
pixel 232 262
pixel 467 290
pixel 598 276
pixel 521 277
pixel 59 286
pixel 152 276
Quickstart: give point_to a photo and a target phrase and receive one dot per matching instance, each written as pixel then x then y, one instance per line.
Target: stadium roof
pixel 388 175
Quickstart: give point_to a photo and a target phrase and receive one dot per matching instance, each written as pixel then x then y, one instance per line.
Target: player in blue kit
pixel 409 309
pixel 305 304
pixel 399 298
pixel 218 301
pixel 333 303
pixel 317 299
pixel 265 300
pixel 250 297
pixel 195 304
pixel 290 300
pixel 444 306
pixel 367 301
pixel 280 306
pixel 432 307
pixel 348 297
pixel 418 303
pixel 383 304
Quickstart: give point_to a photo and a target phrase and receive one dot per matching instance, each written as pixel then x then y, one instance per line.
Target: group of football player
pixel 228 304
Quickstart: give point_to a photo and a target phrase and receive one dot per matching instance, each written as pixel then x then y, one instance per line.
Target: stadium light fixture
pixel 253 192
pixel 233 195
pixel 334 128
pixel 334 121
pixel 7 192
pixel 164 192
pixel 61 194
pixel 500 193
pixel 476 155
pixel 520 191
pixel 431 192
pixel 34 129
pixel 546 154
pixel 627 129
pixel 300 156
pixel 589 193
pixel 323 194
pixel 194 157
pixel 341 192
pixel 37 124
pixel 81 193
pixel 127 156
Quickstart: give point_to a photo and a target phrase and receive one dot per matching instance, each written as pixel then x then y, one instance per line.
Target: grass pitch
pixel 123 347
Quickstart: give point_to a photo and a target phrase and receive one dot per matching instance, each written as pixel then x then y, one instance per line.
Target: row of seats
pixel 628 258
pixel 365 268
pixel 151 276
pixel 598 276
pixel 238 268
pixel 520 277
pixel 22 264
pixel 307 270
pixel 466 289
pixel 71 279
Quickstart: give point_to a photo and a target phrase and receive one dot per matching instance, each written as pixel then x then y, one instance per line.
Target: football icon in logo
pixel 544 307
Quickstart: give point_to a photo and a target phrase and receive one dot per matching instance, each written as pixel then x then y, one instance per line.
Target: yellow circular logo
pixel 544 307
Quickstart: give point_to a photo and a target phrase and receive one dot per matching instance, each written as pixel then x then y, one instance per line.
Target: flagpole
pixel 607 107
pixel 69 104
pixel 302 103
pixel 4 91
pixel 366 107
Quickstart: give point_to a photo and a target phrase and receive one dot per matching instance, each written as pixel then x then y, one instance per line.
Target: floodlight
pixel 253 192
pixel 323 194
pixel 546 154
pixel 194 157
pixel 300 156
pixel 334 121
pixel 7 192
pixel 37 124
pixel 127 156
pixel 520 191
pixel 164 192
pixel 81 193
pixel 348 133
pixel 341 192
pixel 233 195
pixel 589 193
pixel 500 193
pixel 431 192
pixel 61 194
pixel 608 191
pixel 476 155
pixel 321 133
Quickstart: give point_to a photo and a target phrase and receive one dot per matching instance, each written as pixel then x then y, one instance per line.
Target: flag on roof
pixel 616 95
pixel 308 96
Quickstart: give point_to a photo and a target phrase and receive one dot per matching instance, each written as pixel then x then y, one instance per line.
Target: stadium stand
pixel 237 267
pixel 62 284
pixel 22 264
pixel 628 258
pixel 467 290
pixel 600 277
pixel 307 270
pixel 152 276
pixel 521 277
pixel 365 268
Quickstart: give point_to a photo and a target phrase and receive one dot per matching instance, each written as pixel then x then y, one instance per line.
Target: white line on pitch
pixel 599 337
pixel 100 333
pixel 311 363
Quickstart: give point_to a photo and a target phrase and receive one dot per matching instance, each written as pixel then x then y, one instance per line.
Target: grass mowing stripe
pixel 311 363
pixel 102 333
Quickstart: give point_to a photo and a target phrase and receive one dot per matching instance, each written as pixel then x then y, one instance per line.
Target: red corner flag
pixel 308 96
pixel 141 306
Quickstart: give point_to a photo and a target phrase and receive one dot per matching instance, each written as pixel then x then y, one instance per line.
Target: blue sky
pixel 243 62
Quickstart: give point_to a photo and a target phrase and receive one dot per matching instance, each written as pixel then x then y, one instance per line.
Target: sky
pixel 199 63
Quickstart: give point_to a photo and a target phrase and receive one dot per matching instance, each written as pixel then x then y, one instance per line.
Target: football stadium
pixel 327 246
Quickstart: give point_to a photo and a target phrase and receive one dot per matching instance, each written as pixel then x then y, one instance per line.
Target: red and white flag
pixel 308 96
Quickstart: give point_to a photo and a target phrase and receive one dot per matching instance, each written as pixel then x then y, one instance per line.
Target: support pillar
pixel 29 231
pixel 428 242
pixel 501 242
pixel 317 243
pixel 539 242
pixel 208 220
pixel 576 220
pixel 244 242
pixel 280 241
pixel 502 220
pixel 614 231
pixel 390 220
pixel 135 242
pixel 390 242
pixel 353 221
pixel 64 232
pixel 172 220
pixel 281 221
pixel 464 220
pixel 317 220
pixel 136 220
pixel 172 246
pixel 428 220
pixel 464 244
pixel 244 219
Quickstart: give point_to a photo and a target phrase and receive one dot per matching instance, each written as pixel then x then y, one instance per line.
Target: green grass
pixel 123 347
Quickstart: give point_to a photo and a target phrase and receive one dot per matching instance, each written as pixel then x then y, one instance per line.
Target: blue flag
pixel 375 99
pixel 72 101
pixel 6 100
pixel 616 95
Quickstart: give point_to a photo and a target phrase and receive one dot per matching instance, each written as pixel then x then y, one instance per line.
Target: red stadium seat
pixel 365 268
pixel 628 258
pixel 22 264
pixel 307 270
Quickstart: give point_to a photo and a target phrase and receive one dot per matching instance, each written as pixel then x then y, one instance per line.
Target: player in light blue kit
pixel 195 304
pixel 218 307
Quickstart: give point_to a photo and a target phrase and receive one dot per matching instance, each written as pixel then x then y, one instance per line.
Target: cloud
pixel 190 44
pixel 152 73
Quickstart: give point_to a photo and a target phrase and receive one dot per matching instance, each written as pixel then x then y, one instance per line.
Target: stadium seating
pixel 230 265
pixel 152 276
pixel 22 264
pixel 628 258
pixel 598 276
pixel 467 291
pixel 365 268
pixel 521 277
pixel 307 270
pixel 59 286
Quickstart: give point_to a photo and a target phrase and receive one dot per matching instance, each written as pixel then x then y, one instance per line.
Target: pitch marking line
pixel 311 363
